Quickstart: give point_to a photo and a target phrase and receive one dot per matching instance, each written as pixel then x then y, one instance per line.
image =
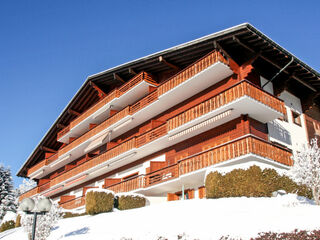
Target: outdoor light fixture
pixel 29 207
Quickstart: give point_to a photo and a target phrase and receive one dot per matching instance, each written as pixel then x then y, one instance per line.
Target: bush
pixel 99 202
pixel 252 182
pixel 7 225
pixel 18 221
pixel 295 235
pixel 130 201
pixel 71 215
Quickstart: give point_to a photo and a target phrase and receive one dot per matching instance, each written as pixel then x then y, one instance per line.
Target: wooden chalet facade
pixel 156 124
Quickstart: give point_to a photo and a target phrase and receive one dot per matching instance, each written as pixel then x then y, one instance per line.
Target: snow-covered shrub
pixel 130 201
pixel 44 222
pixel 27 184
pixel 252 182
pixel 7 193
pixel 71 214
pixel 7 225
pixel 99 201
pixel 295 235
pixel 306 168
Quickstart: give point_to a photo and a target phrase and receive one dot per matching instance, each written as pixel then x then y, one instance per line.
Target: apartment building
pixel 156 124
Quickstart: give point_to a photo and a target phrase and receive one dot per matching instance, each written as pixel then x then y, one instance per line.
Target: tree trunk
pixel 315 193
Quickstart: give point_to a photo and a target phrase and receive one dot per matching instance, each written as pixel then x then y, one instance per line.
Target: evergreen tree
pixel 7 193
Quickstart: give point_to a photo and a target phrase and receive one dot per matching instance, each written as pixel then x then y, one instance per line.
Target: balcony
pixel 221 108
pixel 39 168
pixel 119 98
pixel 192 169
pixel 207 71
pixel 73 203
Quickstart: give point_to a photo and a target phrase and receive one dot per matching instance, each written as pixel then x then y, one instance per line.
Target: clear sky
pixel 48 48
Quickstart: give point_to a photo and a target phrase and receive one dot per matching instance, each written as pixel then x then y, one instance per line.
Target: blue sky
pixel 48 48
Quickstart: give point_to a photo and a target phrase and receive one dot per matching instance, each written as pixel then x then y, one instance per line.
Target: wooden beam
pixel 46 149
pixel 218 46
pixel 73 112
pixel 274 64
pixel 161 59
pixel 61 126
pixel 101 93
pixel 131 71
pixel 117 77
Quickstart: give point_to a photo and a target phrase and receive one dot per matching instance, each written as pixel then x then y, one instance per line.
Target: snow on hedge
pixel 195 219
pixel 100 190
pixel 220 168
pixel 130 195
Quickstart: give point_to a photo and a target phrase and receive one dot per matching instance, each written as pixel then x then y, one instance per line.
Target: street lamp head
pixel 27 205
pixel 44 205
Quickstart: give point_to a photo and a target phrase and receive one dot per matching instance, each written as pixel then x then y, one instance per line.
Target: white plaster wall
pixel 99 183
pixel 288 133
pixel 196 193
pixel 269 87
pixel 155 200
pixel 77 192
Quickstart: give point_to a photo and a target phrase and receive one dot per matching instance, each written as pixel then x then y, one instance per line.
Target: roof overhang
pixel 186 53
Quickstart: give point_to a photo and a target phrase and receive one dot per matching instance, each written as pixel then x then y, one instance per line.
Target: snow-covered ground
pixel 195 219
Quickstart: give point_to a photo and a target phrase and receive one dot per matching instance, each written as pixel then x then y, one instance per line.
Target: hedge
pixel 7 225
pixel 252 182
pixel 99 202
pixel 130 201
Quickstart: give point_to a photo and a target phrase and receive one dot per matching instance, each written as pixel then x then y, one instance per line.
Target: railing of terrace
pixel 116 93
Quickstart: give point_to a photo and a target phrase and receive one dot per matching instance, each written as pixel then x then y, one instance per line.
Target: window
pixel 284 118
pixel 296 118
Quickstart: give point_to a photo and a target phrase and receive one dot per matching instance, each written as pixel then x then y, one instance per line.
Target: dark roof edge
pixel 265 37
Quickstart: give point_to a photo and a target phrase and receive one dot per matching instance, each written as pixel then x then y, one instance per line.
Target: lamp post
pixel 29 207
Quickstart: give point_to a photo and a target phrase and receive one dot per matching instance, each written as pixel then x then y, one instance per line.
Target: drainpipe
pixel 278 73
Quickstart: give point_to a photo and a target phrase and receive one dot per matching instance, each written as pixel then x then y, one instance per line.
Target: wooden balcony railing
pixel 241 89
pixel 92 132
pixel 162 175
pixel 74 203
pixel 117 150
pixel 29 193
pixel 44 187
pixel 128 185
pixel 63 132
pixel 224 152
pixel 142 76
pixel 43 163
pixel 37 166
pixel 114 94
pixel 151 135
pixel 192 70
pixel 144 102
pixel 52 158
pixel 233 150
pixel 218 154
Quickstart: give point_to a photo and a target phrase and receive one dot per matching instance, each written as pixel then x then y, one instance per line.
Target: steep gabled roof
pixel 240 42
